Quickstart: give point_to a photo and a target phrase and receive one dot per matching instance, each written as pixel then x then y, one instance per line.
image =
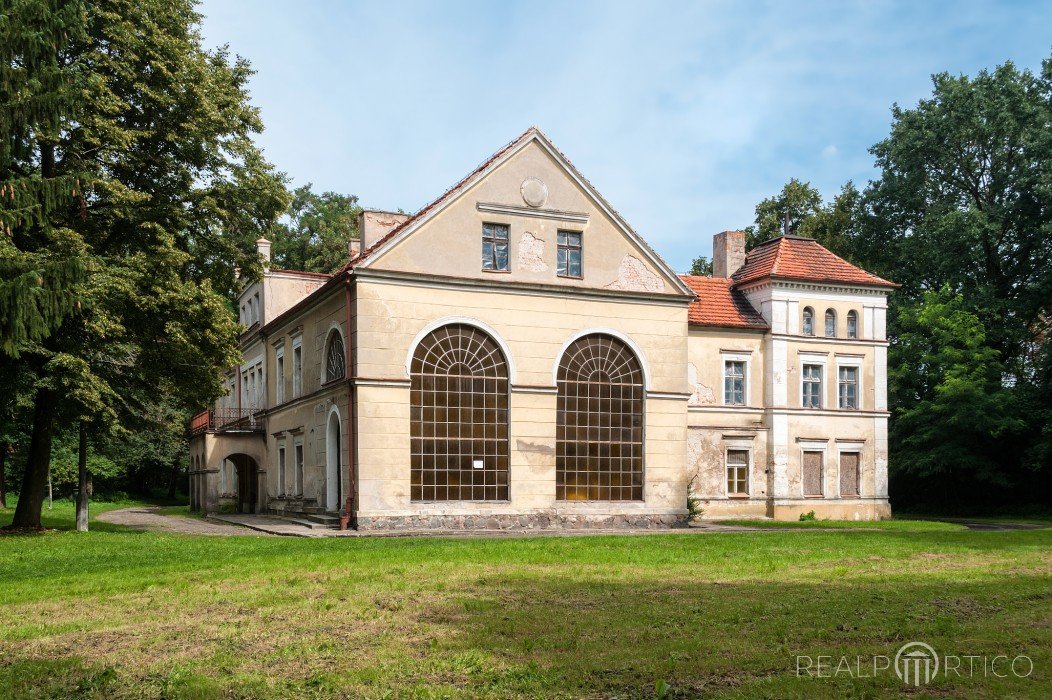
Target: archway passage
pixel 247 482
pixel 333 452
pixel 599 430
pixel 459 417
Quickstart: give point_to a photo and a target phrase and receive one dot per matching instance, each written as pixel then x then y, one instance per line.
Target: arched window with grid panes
pixel 335 357
pixel 459 417
pixel 599 431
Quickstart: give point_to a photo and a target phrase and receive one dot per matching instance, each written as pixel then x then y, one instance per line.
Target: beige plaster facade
pixel 330 434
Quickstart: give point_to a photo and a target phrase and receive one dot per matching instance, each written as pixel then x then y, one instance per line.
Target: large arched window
pixel 459 417
pixel 599 432
pixel 809 321
pixel 852 324
pixel 335 357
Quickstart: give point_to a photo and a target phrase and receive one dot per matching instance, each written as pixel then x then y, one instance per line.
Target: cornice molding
pixel 511 210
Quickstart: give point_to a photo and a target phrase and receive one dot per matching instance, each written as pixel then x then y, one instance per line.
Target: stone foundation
pixel 531 521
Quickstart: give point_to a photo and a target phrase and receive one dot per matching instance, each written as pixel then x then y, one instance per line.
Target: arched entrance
pixel 247 472
pixel 333 450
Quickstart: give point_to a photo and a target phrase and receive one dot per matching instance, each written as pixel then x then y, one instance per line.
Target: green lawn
pixel 133 615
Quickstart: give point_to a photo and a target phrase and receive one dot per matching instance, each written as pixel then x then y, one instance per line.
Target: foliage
pixel 961 217
pixel 719 615
pixel 313 235
pixel 807 517
pixel 172 193
pixel 701 266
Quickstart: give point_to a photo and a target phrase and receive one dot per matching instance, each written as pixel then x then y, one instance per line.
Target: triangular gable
pixel 532 135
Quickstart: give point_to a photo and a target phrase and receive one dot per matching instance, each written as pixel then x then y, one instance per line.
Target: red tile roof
pixel 719 304
pixel 802 259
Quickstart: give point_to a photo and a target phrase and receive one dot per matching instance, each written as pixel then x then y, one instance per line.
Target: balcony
pixel 228 420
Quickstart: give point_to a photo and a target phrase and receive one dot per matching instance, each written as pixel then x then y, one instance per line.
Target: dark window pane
pixel 459 417
pixel 600 394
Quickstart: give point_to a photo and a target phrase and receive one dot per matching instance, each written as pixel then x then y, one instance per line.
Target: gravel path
pixel 149 518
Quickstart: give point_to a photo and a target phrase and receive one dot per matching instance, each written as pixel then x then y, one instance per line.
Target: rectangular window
pixel 813 473
pixel 812 390
pixel 569 254
pixel 848 387
pixel 297 367
pixel 256 310
pixel 734 383
pixel 737 472
pixel 298 449
pixel 279 378
pixel 261 394
pixel 495 247
pixel 849 477
pixel 281 468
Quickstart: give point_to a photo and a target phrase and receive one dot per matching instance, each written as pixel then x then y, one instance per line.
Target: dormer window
pixel 569 254
pixel 852 324
pixel 495 247
pixel 830 323
pixel 809 321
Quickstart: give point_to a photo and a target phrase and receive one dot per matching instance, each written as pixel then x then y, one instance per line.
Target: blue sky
pixel 684 115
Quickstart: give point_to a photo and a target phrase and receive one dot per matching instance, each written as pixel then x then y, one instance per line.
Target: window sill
pixel 497 272
pixel 570 277
pixel 814 497
pixel 738 496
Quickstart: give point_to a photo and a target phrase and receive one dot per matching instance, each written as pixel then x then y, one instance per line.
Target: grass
pixel 145 615
pixel 894 525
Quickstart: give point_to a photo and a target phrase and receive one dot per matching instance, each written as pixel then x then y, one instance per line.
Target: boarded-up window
pixel 812 473
pixel 849 464
pixel 737 472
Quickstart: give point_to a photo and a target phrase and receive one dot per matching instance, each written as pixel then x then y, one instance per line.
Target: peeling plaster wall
pixel 531 253
pixel 634 276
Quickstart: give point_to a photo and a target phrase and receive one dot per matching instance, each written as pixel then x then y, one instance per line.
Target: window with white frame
pixel 847 387
pixel 830 323
pixel 261 395
pixel 808 326
pixel 297 366
pixel 812 386
pixel 279 374
pixel 569 254
pixel 258 317
pixel 281 467
pixel 852 324
pixel 738 472
pixel 734 381
pixel 298 457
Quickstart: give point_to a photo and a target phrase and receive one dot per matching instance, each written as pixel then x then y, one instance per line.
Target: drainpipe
pixel 347 519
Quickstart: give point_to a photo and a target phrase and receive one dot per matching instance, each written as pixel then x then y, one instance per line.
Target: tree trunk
pixel 3 474
pixel 83 481
pixel 173 480
pixel 38 459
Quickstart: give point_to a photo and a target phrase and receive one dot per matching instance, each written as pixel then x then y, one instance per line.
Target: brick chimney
pixel 374 225
pixel 263 248
pixel 728 253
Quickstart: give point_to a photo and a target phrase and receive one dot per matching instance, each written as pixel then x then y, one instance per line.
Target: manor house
pixel 515 355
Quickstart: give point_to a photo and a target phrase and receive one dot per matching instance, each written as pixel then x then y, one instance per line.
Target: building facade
pixel 514 355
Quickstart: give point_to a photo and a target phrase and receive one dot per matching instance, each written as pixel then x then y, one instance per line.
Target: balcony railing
pixel 247 419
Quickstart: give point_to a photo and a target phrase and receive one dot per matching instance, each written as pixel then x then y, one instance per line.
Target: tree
pixel 701 266
pixel 314 234
pixel 951 408
pixel 174 192
pixel 965 200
